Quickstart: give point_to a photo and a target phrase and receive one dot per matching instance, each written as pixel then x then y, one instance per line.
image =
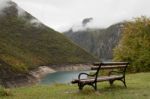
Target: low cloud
pixel 21 12
pixel 62 14
pixel 35 22
pixel 86 21
pixel 4 4
pixel 83 25
pixel 8 3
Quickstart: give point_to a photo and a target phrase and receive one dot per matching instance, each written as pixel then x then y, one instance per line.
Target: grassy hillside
pixel 99 42
pixel 138 88
pixel 26 43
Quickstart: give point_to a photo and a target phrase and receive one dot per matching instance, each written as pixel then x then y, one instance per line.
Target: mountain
pixel 26 43
pixel 99 42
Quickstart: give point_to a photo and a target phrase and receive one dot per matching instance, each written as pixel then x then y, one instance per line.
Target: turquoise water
pixel 61 77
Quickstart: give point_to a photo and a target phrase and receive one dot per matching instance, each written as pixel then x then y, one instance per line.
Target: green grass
pixel 138 88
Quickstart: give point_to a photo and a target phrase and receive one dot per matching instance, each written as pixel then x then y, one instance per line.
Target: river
pixel 61 77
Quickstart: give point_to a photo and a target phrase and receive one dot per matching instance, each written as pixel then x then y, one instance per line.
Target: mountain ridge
pixel 99 42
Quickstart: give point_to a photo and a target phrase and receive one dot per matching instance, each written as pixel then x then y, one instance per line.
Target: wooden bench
pixel 116 72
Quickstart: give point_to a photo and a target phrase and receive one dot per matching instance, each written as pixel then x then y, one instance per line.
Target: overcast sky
pixel 62 14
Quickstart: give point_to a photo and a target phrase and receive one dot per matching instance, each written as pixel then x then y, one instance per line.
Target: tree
pixel 134 45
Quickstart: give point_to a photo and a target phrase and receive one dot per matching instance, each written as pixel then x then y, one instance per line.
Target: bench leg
pixel 124 82
pixel 94 85
pixel 111 82
pixel 80 86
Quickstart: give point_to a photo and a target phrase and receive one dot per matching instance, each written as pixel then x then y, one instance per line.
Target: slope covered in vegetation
pixel 25 43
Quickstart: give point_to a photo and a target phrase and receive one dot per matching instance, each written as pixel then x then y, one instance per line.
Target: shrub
pixel 134 45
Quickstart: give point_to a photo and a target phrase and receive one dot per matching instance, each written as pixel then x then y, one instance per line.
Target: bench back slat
pixel 107 67
pixel 110 63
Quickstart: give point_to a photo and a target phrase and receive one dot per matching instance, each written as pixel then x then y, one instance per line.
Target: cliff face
pixel 99 42
pixel 26 44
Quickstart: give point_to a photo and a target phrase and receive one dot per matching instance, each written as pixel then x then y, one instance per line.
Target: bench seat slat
pixel 107 67
pixel 99 79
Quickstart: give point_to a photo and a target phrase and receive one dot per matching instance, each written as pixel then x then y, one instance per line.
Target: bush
pixel 134 45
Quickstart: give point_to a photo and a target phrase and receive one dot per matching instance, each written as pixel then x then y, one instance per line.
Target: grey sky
pixel 62 14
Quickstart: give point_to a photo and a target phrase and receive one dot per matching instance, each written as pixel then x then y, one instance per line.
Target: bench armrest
pixel 79 76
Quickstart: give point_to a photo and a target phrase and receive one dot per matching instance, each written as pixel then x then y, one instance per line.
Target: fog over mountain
pixel 99 42
pixel 63 14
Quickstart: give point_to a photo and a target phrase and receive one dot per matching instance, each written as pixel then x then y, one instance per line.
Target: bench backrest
pixel 109 65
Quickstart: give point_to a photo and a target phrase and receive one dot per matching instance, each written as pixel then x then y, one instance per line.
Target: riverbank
pixel 71 67
pixel 34 76
pixel 40 72
pixel 44 70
